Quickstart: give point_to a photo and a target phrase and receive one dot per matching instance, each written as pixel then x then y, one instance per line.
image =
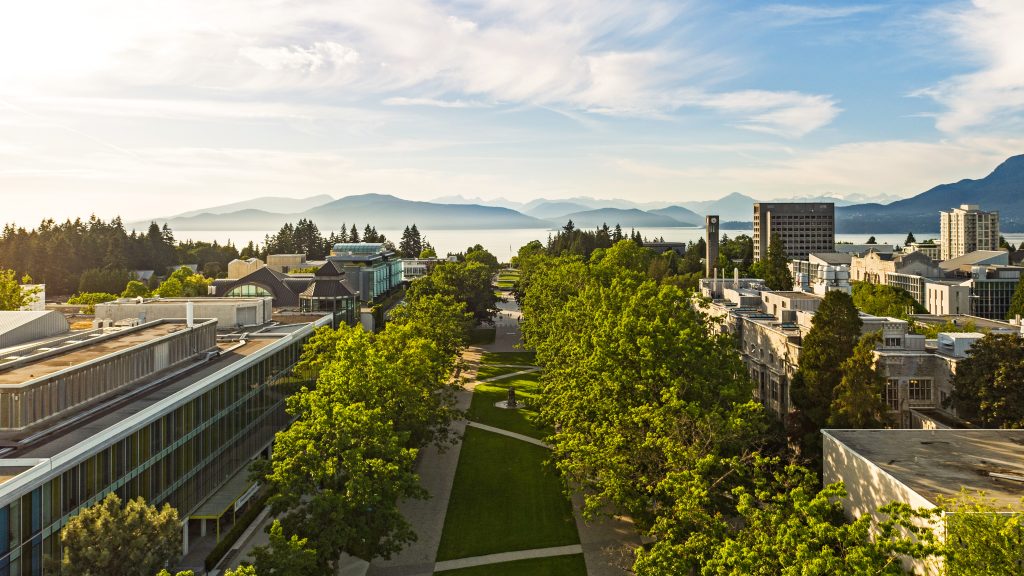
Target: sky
pixel 146 108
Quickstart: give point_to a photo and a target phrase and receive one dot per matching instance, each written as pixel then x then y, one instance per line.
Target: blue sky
pixel 148 108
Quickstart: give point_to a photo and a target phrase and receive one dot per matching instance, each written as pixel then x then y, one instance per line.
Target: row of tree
pixel 653 418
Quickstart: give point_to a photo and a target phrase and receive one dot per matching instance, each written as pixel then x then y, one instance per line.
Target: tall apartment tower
pixel 803 227
pixel 711 256
pixel 966 229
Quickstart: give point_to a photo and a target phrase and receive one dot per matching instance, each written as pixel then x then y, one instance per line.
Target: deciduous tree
pixel 106 538
pixel 285 556
pixel 12 295
pixel 988 389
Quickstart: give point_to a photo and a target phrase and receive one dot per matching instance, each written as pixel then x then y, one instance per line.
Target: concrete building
pixel 711 255
pixel 966 229
pixel 18 327
pixel 984 291
pixel 862 249
pixel 165 410
pixel 822 272
pixel 908 270
pixel 230 313
pixel 929 248
pixel 285 263
pixel 238 268
pixel 802 227
pixel 920 467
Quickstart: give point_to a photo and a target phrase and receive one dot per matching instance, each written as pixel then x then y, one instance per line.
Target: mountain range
pixel 1002 190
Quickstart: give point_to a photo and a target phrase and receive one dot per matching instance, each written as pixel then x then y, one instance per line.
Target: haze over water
pixel 504 243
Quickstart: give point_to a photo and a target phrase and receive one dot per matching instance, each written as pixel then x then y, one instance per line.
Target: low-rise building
pixel 286 263
pixel 166 410
pixel 230 313
pixel 921 468
pixel 239 268
pixel 371 269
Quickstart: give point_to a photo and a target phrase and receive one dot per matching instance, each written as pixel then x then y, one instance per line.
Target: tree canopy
pixel 106 538
pixel 988 388
pixel 467 282
pixel 774 268
pixel 885 300
pixel 12 295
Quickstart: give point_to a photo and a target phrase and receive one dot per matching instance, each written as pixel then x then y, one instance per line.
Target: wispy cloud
pixel 990 32
pixel 794 14
pixel 434 102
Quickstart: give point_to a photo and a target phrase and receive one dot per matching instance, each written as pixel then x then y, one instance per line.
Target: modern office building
pixel 966 229
pixel 370 268
pixel 802 227
pixel 166 410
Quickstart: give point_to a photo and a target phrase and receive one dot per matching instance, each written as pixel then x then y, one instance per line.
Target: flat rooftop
pixel 940 462
pixel 53 437
pixel 794 295
pixel 132 302
pixel 50 364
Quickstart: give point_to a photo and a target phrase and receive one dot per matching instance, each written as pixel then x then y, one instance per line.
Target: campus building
pixel 966 229
pixel 168 410
pixel 921 467
pixel 370 268
pixel 802 227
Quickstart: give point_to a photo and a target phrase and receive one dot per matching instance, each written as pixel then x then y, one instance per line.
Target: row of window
pixel 180 458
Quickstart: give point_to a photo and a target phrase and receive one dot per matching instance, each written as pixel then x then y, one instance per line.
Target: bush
pixel 90 299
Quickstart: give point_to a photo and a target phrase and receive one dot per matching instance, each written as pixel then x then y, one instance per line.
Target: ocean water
pixel 504 243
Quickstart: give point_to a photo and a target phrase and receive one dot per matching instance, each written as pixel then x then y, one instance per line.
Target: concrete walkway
pixel 509 375
pixel 504 432
pixel 508 557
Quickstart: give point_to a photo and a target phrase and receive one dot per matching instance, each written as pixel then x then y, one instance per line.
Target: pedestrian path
pixel 510 375
pixel 504 432
pixel 508 557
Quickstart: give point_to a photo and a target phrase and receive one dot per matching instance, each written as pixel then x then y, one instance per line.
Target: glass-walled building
pixel 174 436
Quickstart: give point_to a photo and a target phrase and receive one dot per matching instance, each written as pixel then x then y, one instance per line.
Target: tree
pixel 1017 302
pixel 988 388
pixel 106 538
pixel 774 268
pixel 871 240
pixel 467 282
pixel 12 295
pixel 982 537
pixel 428 252
pixel 834 331
pixel 858 399
pixel 479 254
pixel 135 289
pixel 184 283
pixel 789 526
pixel 885 300
pixel 338 474
pixel 285 556
pixel 910 239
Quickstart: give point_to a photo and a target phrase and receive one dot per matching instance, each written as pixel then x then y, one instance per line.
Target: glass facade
pixel 180 458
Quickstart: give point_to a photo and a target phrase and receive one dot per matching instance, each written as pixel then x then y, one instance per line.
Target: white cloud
pixel 433 102
pixel 991 33
pixel 789 114
pixel 600 56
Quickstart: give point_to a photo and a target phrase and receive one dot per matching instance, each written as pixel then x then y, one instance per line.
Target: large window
pixel 919 390
pixel 892 393
pixel 248 291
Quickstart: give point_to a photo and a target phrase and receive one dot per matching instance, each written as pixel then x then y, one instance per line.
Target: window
pixel 247 291
pixel 892 393
pixel 893 342
pixel 920 389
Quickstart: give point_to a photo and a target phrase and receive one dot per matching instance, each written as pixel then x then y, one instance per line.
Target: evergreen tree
pixel 910 239
pixel 858 399
pixel 834 331
pixel 871 240
pixel 617 234
pixel 774 269
pixel 1017 302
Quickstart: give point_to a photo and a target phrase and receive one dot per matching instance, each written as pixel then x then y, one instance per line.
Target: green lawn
pixel 523 358
pixel 554 566
pixel 504 498
pixel 483 410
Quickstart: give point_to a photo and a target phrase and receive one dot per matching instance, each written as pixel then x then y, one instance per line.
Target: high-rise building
pixel 802 227
pixel 711 257
pixel 966 229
